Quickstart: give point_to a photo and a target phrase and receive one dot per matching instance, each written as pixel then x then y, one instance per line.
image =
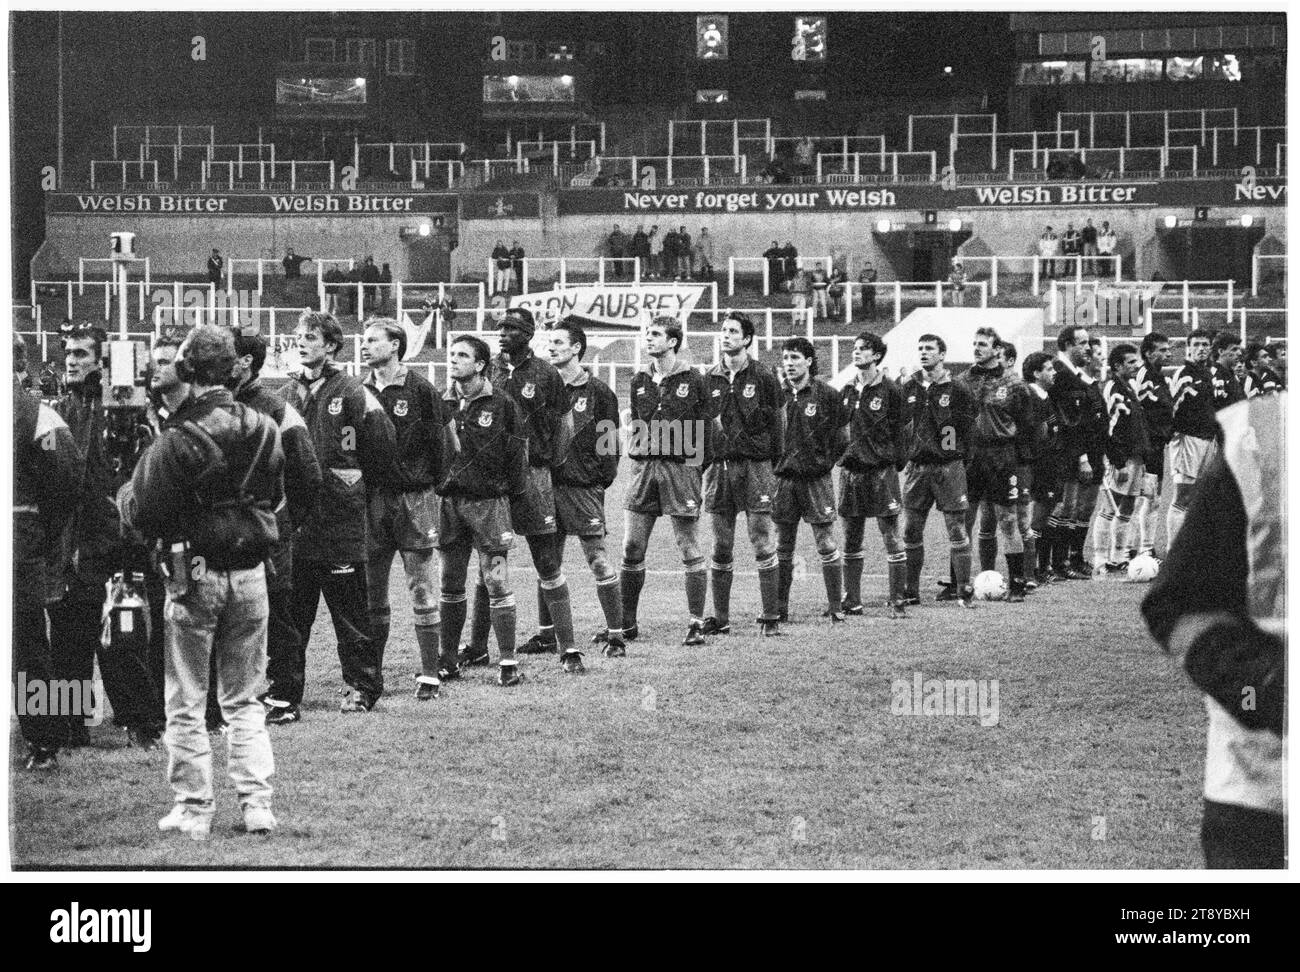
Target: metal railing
pixel 1200 117
pixel 1036 264
pixel 1102 155
pixel 852 162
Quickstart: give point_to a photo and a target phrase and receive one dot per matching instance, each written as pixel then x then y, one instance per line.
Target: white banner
pixel 628 307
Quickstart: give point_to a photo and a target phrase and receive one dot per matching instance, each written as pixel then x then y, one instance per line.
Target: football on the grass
pixel 989 586
pixel 1143 568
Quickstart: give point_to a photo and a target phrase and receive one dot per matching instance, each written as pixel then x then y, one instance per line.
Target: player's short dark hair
pixel 576 334
pixel 481 351
pixel 330 331
pixel 167 339
pixel 208 353
pixel 394 331
pixel 988 332
pixel 935 340
pixel 1199 335
pixel 89 332
pixel 254 346
pixel 1118 353
pixel 1224 340
pixel 1034 364
pixel 876 343
pixel 672 329
pixel 801 345
pixel 1150 342
pixel 746 325
pixel 1008 350
pixel 1066 339
pixel 1271 349
pixel 1253 350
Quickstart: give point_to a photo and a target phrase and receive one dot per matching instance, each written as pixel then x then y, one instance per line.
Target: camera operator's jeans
pixel 224 614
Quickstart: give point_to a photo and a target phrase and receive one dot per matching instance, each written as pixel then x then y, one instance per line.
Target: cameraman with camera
pixel 93 550
pixel 208 489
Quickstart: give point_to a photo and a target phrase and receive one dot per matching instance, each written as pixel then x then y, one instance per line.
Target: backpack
pixel 236 525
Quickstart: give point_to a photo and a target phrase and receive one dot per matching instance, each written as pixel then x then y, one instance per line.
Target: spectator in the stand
pixel 820 289
pixel 369 276
pixel 804 151
pixel 685 255
pixel 216 267
pixel 1106 248
pixel 790 259
pixel 668 256
pixel 656 266
pixel 957 282
pixel 336 283
pixel 501 268
pixel 293 264
pixel 641 249
pixel 617 250
pixel 835 291
pixel 704 253
pixel 1088 248
pixel 867 277
pixel 1049 245
pixel 517 264
pixel 800 289
pixel 1070 243
pixel 775 258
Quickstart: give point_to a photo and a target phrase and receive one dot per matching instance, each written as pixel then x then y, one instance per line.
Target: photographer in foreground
pixel 208 489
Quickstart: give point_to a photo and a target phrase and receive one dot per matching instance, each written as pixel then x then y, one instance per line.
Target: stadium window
pixel 810 94
pixel 711 37
pixel 1124 41
pixel 399 57
pixel 1078 42
pixel 809 41
pixel 320 91
pixel 1262 37
pixel 360 50
pixel 1052 72
pixel 1208 37
pixel 1182 39
pixel 556 51
pixel 1126 69
pixel 1222 67
pixel 320 50
pixel 531 88
pixel 712 96
pixel 1183 68
pixel 1235 37
pixel 1049 44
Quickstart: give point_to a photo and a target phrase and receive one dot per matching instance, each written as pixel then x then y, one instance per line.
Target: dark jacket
pixel 1043 452
pixel 750 408
pixel 302 476
pixel 415 408
pixel 356 447
pixel 874 414
pixel 680 402
pixel 538 392
pixel 180 486
pixel 1004 410
pixel 1128 437
pixel 592 459
pixel 1227 389
pixel 47 480
pixel 487 454
pixel 1192 391
pixel 1153 393
pixel 501 257
pixel 1075 404
pixel 1265 384
pixel 815 433
pixel 937 419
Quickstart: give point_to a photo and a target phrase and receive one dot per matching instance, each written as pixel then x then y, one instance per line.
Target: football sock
pixel 481 621
pixel 631 580
pixel 853 564
pixel 561 610
pixel 1103 537
pixel 1147 527
pixel 831 576
pixel 428 640
pixel 453 620
pixel 1173 523
pixel 545 626
pixel 961 564
pixel 767 588
pixel 380 625
pixel 697 584
pixel 897 566
pixel 785 578
pixel 1031 550
pixel 503 625
pixel 988 548
pixel 915 561
pixel 720 581
pixel 1016 567
pixel 610 595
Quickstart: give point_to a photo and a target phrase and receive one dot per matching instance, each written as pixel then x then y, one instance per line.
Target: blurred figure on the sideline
pixel 1261 379
pixel 500 268
pixel 216 267
pixel 1219 604
pixel 293 264
pixel 1225 351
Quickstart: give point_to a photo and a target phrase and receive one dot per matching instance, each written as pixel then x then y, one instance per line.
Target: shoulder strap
pixel 211 443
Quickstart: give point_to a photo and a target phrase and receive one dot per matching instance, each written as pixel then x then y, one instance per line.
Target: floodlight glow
pixel 954 225
pixel 425 229
pixel 566 79
pixel 1248 220
pixel 1171 222
pixel 883 226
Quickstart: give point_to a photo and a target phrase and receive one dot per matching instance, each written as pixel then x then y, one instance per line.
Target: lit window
pixel 400 57
pixel 1222 67
pixel 528 88
pixel 713 96
pixel 1127 69
pixel 1052 72
pixel 1183 68
pixel 809 94
pixel 320 91
pixel 320 50
pixel 809 42
pixel 711 37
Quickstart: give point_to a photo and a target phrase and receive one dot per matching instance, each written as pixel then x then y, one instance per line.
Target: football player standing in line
pixel 938 415
pixel 1070 393
pixel 747 406
pixel 1191 388
pixel 404 512
pixel 1128 447
pixel 1157 406
pixel 1261 379
pixel 588 470
pixel 872 407
pixel 814 440
pixel 1046 465
pixel 668 443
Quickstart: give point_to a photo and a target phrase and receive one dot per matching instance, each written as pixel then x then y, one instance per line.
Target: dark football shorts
pixel 871 493
pixel 403 521
pixel 739 486
pixel 533 513
pixel 993 475
pixel 1024 485
pixel 1156 459
pixel 483 524
pixel 663 488
pixel 580 511
pixel 810 500
pixel 941 484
